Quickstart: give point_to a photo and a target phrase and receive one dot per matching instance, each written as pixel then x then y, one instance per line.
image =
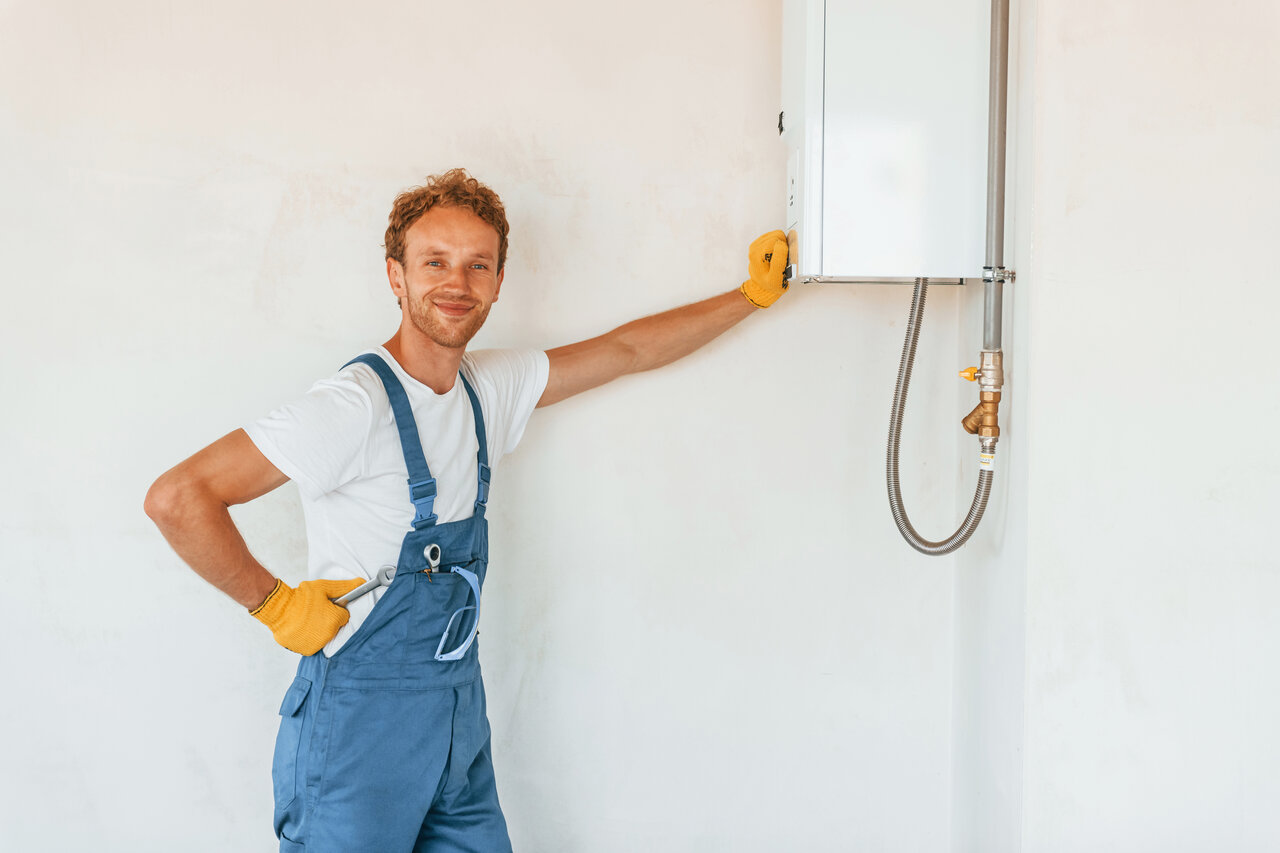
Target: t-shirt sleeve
pixel 509 384
pixel 319 440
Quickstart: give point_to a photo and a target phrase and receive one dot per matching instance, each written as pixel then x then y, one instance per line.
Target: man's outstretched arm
pixel 663 338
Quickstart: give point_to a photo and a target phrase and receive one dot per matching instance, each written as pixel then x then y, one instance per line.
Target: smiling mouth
pixel 453 309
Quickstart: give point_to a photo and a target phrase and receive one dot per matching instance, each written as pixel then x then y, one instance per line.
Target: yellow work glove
pixel 766 283
pixel 304 619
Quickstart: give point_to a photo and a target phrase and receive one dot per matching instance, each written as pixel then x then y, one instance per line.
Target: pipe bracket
pixel 998 275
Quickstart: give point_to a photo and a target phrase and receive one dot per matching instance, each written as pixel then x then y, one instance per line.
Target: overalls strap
pixel 482 456
pixel 422 486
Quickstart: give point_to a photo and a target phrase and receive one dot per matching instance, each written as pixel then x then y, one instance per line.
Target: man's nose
pixel 455 281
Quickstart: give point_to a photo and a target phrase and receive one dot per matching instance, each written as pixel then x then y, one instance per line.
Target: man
pixel 384 742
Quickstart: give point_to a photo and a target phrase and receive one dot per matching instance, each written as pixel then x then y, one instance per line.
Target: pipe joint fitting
pixel 998 275
pixel 984 420
pixel 991 371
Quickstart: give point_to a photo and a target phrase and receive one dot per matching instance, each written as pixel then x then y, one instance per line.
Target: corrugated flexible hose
pixel 979 505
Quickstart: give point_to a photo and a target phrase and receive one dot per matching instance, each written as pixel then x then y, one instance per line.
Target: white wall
pixel 702 632
pixel 1116 639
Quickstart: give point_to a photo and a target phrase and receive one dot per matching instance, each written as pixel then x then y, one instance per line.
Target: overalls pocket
pixel 284 767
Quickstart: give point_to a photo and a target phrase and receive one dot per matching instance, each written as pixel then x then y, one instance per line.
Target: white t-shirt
pixel 340 444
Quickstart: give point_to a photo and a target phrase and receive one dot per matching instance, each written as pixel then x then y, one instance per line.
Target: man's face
pixel 450 274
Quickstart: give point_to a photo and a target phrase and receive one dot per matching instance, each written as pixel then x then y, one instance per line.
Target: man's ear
pixel 395 276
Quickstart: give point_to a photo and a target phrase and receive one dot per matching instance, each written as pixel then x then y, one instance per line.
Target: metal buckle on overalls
pixel 482 489
pixel 423 495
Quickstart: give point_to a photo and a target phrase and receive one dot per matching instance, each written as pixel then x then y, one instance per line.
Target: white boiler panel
pixel 885 125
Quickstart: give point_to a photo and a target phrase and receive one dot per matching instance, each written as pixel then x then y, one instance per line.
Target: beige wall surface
pixel 1152 642
pixel 701 630
pixel 1116 633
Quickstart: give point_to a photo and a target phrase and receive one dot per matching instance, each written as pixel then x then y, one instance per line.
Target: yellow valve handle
pixel 303 620
pixel 970 373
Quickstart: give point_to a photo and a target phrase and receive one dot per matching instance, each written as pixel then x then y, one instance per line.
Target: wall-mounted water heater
pixel 893 119
pixel 884 118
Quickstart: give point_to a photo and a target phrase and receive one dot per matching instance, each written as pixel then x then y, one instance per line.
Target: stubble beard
pixel 451 335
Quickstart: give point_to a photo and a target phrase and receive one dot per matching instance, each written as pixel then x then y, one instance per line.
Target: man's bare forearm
pixel 189 504
pixel 207 540
pixel 643 344
pixel 660 339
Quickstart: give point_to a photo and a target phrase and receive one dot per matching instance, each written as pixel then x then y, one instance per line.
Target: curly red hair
pixel 454 188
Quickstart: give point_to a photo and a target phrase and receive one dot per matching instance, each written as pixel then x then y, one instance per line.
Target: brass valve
pixel 984 419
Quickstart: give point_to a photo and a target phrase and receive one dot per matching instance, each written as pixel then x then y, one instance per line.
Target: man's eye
pixel 479 266
pixel 433 263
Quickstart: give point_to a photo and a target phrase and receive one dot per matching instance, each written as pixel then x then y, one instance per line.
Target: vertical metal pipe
pixel 997 112
pixel 992 316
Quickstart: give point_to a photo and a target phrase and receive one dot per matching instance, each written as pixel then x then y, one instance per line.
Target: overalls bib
pixel 384 747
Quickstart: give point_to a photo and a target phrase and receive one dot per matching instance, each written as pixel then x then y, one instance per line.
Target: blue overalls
pixel 384 747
